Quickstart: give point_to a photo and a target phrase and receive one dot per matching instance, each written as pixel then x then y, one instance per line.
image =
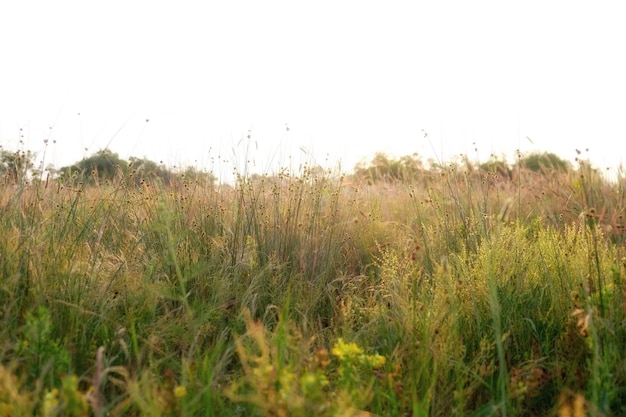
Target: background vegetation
pixel 409 288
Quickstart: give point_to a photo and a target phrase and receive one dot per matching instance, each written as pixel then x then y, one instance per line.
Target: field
pixel 462 289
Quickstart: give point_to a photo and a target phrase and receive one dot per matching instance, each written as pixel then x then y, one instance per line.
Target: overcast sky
pixel 348 78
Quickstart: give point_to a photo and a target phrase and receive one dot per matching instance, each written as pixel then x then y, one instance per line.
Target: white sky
pixel 349 78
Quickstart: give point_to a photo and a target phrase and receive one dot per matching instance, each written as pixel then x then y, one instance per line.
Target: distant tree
pixel 108 166
pixel 140 168
pixel 194 174
pixel 102 166
pixel 497 167
pixel 385 168
pixel 544 162
pixel 16 166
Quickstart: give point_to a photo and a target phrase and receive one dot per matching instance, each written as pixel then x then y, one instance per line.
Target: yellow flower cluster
pixel 374 361
pixel 344 350
pixel 351 351
pixel 180 391
pixel 50 403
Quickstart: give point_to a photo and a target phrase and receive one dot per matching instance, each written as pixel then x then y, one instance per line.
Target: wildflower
pixel 313 383
pixel 50 403
pixel 375 361
pixel 180 391
pixel 344 350
pixel 322 357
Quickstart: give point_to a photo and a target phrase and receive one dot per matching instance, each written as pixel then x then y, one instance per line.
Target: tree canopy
pixel 106 166
pixel 383 167
pixel 15 166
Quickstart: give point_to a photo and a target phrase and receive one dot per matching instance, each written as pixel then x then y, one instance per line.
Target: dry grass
pixel 486 294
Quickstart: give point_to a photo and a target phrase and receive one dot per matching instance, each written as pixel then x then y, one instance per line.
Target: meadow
pixel 457 289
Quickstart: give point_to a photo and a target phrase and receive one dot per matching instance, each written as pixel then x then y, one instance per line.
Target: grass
pixel 460 293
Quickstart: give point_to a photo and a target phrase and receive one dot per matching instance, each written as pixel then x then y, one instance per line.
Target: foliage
pixel 278 382
pixel 497 167
pixel 101 166
pixel 386 168
pixel 107 167
pixel 447 290
pixel 15 166
pixel 543 162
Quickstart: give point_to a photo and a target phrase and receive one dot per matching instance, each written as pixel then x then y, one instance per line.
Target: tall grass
pixel 305 292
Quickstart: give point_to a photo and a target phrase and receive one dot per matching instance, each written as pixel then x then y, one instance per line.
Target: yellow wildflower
pixel 50 403
pixel 344 350
pixel 375 361
pixel 180 391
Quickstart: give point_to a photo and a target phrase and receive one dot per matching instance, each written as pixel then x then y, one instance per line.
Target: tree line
pixel 411 168
pixel 18 167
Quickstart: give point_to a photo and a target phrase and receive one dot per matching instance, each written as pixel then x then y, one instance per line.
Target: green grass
pixel 457 293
